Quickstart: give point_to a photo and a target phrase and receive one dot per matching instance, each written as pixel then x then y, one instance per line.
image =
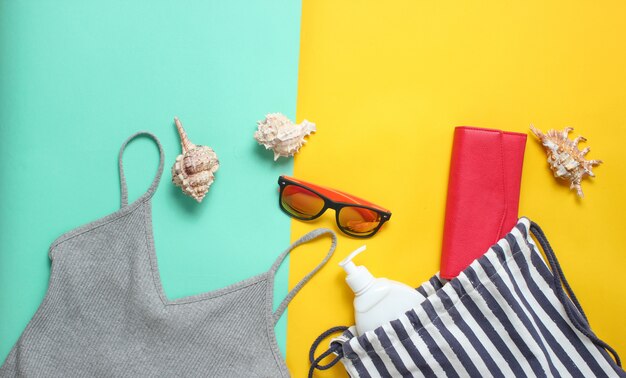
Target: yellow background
pixel 387 81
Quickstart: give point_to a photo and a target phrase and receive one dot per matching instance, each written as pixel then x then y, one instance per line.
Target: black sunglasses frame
pixel 330 204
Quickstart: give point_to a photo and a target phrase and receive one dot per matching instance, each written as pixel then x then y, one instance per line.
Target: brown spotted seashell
pixel 566 161
pixel 193 171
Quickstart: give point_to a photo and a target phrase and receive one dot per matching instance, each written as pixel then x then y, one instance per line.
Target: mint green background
pixel 77 77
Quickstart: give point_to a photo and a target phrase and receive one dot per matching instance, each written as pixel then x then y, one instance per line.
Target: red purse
pixel 483 194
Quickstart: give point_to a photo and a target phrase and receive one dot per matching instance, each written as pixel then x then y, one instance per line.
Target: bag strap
pixel 572 307
pixel 334 348
pixel 157 178
pixel 272 272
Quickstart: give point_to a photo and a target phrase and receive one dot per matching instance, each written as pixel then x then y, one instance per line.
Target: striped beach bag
pixel 509 314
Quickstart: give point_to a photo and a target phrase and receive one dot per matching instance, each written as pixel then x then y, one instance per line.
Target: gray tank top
pixel 105 313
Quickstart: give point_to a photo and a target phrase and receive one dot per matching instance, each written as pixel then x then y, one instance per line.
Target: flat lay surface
pixel 385 85
pixel 78 79
pixel 388 83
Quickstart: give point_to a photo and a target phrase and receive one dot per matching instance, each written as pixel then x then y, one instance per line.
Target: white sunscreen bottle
pixel 377 300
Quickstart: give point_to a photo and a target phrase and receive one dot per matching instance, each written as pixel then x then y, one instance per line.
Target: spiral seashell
pixel 566 161
pixel 193 171
pixel 278 133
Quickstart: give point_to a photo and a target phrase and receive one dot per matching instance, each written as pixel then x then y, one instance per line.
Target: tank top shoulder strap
pixel 292 293
pixel 124 190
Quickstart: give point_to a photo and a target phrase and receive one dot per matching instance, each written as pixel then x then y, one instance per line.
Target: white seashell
pixel 278 133
pixel 566 161
pixel 193 171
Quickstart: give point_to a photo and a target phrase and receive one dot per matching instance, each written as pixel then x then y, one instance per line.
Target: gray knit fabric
pixel 105 313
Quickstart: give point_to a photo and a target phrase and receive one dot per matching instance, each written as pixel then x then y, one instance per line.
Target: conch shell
pixel 278 133
pixel 566 161
pixel 193 171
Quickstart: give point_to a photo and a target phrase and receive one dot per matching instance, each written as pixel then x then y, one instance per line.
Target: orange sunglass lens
pixel 300 202
pixel 358 221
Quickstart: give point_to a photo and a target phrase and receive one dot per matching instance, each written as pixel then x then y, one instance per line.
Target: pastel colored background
pixel 387 82
pixel 79 77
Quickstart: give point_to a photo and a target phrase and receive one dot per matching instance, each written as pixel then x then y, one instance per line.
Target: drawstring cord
pixel 560 282
pixel 334 348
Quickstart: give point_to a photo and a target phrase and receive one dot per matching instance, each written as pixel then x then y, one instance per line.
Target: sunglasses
pixel 305 201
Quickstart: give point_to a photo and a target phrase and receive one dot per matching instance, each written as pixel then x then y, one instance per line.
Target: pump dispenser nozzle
pixel 376 300
pixel 347 263
pixel 358 277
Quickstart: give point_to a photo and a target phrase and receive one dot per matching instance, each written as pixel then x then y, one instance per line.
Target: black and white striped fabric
pixel 508 314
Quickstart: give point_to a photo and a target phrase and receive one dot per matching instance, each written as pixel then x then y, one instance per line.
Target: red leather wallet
pixel 483 194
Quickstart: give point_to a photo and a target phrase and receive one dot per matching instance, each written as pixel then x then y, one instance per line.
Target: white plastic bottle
pixel 377 300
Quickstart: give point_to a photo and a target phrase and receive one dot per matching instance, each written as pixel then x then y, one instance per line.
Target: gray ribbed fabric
pixel 105 313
